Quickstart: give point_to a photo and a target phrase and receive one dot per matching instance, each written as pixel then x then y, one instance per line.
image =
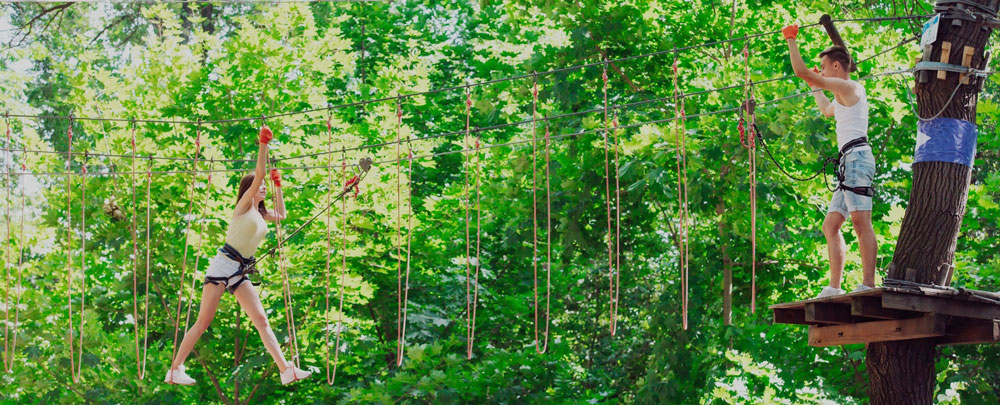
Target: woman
pixel 227 270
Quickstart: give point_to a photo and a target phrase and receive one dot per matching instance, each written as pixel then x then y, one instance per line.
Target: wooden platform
pixel 953 316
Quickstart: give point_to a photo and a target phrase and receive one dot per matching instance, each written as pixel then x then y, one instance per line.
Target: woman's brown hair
pixel 245 184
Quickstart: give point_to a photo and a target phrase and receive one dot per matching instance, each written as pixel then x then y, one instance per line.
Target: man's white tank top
pixel 246 232
pixel 852 122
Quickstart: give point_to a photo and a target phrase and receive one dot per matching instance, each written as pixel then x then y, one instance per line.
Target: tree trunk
pixel 903 372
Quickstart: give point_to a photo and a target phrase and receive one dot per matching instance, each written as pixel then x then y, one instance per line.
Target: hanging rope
pixel 402 289
pixel 201 233
pixel 10 344
pixel 140 358
pixel 618 227
pixel 471 279
pixel 75 370
pixel 542 347
pixel 329 247
pixel 612 236
pixel 343 269
pixel 748 141
pixel 187 229
pixel 293 344
pixel 681 197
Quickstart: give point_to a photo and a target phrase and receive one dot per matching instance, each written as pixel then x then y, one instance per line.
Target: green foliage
pixel 167 61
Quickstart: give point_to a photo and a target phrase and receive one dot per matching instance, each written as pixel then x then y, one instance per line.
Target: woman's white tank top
pixel 246 232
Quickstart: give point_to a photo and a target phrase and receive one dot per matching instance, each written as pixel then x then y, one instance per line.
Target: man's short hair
pixel 838 54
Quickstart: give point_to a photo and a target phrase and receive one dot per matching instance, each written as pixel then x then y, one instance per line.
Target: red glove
pixel 790 31
pixel 265 135
pixel 276 177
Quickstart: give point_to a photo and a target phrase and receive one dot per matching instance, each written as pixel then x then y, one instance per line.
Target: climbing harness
pixel 841 168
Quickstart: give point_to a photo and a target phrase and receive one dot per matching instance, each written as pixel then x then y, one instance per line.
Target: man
pixel 856 165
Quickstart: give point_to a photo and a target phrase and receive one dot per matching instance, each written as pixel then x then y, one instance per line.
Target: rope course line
pixel 343 274
pixel 483 83
pixel 748 114
pixel 329 247
pixel 487 146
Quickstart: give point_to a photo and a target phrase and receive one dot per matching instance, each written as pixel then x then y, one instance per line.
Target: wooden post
pixel 903 372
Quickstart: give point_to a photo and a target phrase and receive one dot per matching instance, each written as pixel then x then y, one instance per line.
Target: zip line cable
pixel 483 83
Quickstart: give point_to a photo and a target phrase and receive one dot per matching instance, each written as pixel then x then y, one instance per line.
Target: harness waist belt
pixel 839 171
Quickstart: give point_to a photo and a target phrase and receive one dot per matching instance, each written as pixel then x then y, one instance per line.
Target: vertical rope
pixel 187 229
pixel 681 198
pixel 409 239
pixel 475 282
pixel 329 245
pixel 534 197
pixel 17 287
pixel 607 200
pixel 145 317
pixel 466 154
pixel 293 344
pixel 748 115
pixel 548 242
pixel 83 263
pixel 618 230
pixel 400 300
pixel 201 232
pixel 343 267
pixel 7 357
pixel 75 375
pixel 135 263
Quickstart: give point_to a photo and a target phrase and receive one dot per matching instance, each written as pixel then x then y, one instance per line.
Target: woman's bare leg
pixel 248 298
pixel 210 296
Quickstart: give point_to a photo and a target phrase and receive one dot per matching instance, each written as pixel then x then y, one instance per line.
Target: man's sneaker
pixel 293 374
pixel 829 292
pixel 861 287
pixel 178 376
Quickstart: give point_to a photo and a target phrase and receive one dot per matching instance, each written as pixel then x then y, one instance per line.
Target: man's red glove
pixel 276 177
pixel 790 31
pixel 265 135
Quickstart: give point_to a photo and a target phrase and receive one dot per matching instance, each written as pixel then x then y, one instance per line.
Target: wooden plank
pixel 945 55
pixel 791 316
pixel 971 332
pixel 871 307
pixel 843 298
pixel 946 306
pixel 878 331
pixel 828 313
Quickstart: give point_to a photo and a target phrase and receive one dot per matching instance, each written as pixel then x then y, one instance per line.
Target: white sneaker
pixel 178 376
pixel 861 287
pixel 293 374
pixel 829 292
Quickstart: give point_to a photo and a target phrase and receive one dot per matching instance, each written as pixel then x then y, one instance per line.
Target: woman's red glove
pixel 790 31
pixel 265 135
pixel 276 177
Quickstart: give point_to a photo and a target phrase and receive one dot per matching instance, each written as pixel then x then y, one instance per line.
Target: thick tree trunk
pixel 903 372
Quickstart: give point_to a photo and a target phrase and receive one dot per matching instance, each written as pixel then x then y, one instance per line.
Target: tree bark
pixel 903 372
